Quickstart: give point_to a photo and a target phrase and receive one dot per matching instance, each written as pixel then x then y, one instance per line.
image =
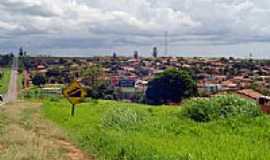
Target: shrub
pixel 204 110
pixel 122 118
pixel 200 110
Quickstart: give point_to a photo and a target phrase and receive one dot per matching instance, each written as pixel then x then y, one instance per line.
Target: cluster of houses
pixel 132 74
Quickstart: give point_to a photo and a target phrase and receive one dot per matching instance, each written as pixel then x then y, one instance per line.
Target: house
pixel 40 67
pixel 209 89
pixel 141 85
pixel 250 93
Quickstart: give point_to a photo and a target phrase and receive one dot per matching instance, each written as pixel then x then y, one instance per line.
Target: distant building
pixel 155 52
pixel 114 55
pixel 136 54
pixel 209 89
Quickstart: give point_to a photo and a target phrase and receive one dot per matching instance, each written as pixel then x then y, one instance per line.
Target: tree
pixel 97 87
pixel 171 86
pixel 92 76
pixel 38 80
pixel 6 60
pixel 102 91
pixel 21 53
pixel 62 61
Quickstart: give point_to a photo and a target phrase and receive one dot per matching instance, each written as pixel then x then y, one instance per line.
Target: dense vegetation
pixel 39 80
pixel 170 86
pixel 5 64
pixel 115 130
pixel 6 60
pixel 4 80
pixel 220 107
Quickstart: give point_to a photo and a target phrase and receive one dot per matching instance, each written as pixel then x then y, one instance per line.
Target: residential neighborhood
pixel 129 76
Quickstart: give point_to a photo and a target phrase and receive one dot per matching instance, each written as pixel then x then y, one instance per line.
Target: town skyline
pixel 147 53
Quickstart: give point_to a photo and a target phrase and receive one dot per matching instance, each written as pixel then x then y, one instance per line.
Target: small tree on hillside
pixel 93 75
pixel 93 80
pixel 171 86
pixel 38 80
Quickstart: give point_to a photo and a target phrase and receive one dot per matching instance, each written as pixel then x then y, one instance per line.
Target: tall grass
pixel 4 81
pixel 224 106
pixel 116 130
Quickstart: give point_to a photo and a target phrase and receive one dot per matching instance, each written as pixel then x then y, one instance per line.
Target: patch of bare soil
pixel 2 147
pixel 73 152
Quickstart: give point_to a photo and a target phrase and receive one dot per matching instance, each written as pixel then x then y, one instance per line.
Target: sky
pixel 208 28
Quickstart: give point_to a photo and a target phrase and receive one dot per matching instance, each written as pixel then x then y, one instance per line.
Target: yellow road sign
pixel 74 92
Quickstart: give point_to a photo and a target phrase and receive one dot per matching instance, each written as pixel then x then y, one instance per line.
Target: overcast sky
pixel 100 27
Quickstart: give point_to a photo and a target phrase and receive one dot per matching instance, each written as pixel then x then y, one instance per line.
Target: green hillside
pixel 116 130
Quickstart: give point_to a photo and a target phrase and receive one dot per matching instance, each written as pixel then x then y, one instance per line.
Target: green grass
pixel 20 80
pixel 20 85
pixel 125 131
pixel 24 135
pixel 4 81
pixel 36 94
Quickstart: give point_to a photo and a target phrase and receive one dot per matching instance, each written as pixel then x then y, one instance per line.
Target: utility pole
pixel 250 56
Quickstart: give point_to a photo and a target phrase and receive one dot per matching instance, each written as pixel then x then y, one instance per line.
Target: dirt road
pixel 12 93
pixel 26 135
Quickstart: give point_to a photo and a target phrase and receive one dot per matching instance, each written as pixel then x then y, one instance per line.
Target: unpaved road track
pixel 12 93
pixel 26 135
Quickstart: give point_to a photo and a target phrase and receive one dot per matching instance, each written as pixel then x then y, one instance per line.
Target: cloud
pixel 103 24
pixel 30 8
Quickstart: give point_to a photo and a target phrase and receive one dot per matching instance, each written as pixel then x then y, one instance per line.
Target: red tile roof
pixel 250 93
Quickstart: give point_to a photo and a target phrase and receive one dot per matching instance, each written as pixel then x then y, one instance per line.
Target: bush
pixel 220 107
pixel 122 118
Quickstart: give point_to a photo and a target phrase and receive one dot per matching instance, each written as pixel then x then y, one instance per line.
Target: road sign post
pixel 73 110
pixel 75 94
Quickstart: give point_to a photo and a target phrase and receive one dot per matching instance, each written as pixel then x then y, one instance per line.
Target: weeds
pixel 125 131
pixel 220 107
pixel 122 118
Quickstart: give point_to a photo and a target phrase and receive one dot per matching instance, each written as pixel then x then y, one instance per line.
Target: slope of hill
pixel 116 130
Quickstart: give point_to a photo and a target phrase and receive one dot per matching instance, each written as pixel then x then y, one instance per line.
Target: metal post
pixel 73 110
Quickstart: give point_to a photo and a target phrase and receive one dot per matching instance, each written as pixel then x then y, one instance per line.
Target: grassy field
pixel 125 131
pixel 4 81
